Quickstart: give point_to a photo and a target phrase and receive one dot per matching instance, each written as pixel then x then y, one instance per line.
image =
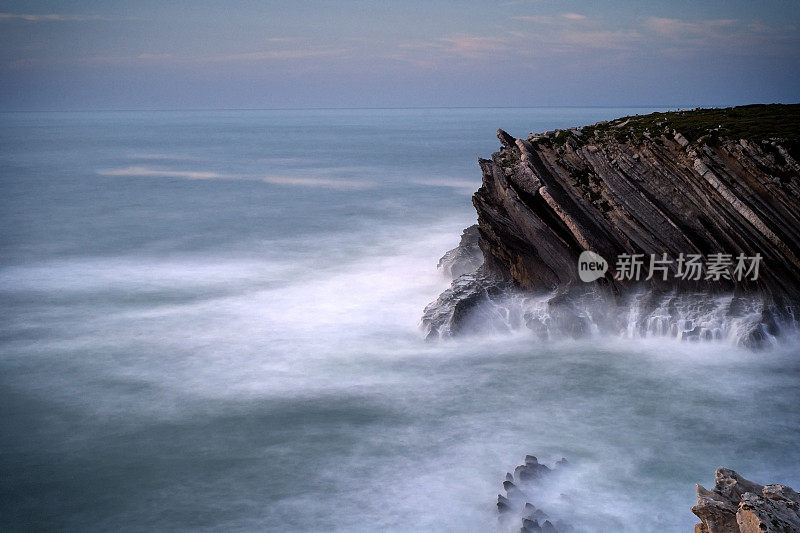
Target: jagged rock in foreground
pixel 515 505
pixel 736 505
pixel 695 182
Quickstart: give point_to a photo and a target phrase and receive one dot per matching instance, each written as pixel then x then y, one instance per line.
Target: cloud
pixel 139 171
pixel 674 37
pixel 684 37
pixel 47 17
pixel 471 47
pixel 520 2
pixel 759 27
pixel 244 57
pixel 547 19
pixel 564 34
pixel 537 19
pixel 669 27
pixel 557 33
pixel 569 33
pixel 560 36
pixel 272 54
pixel 677 28
pixel 153 57
pixel 600 39
pixel 148 58
pixel 163 156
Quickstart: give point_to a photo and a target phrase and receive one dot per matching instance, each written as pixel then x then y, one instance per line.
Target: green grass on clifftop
pixel 754 122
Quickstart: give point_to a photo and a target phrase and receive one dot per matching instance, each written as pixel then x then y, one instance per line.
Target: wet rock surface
pixel 515 506
pixel 468 305
pixel 737 505
pixel 464 258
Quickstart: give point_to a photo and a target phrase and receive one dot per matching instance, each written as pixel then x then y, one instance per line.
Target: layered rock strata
pixel 736 505
pixel 640 186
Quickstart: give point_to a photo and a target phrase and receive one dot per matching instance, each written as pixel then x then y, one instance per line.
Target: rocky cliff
pixel 717 188
pixel 736 505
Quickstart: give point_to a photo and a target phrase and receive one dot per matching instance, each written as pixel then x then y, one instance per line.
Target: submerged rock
pixel 737 505
pixel 515 505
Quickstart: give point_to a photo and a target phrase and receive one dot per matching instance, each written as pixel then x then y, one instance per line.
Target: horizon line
pixel 374 108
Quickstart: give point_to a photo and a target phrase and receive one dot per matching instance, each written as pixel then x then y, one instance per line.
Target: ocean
pixel 210 321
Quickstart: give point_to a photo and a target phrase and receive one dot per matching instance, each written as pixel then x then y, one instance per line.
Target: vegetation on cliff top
pixel 756 122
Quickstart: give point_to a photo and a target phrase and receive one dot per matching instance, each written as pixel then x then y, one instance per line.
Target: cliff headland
pixel 696 215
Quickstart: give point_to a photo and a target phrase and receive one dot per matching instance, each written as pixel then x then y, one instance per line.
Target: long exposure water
pixel 210 322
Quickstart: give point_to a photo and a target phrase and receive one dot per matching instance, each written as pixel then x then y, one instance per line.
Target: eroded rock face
pixel 464 258
pixel 469 304
pixel 541 204
pixel 547 198
pixel 737 505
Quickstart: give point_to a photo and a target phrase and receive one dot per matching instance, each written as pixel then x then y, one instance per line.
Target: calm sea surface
pixel 210 322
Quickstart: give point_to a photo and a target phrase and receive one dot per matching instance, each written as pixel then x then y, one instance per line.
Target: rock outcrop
pixel 736 505
pixel 515 505
pixel 464 258
pixel 472 303
pixel 696 183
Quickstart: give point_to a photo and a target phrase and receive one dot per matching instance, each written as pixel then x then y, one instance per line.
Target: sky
pixel 241 54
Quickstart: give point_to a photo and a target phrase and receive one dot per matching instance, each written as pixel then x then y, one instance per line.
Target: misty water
pixel 210 322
